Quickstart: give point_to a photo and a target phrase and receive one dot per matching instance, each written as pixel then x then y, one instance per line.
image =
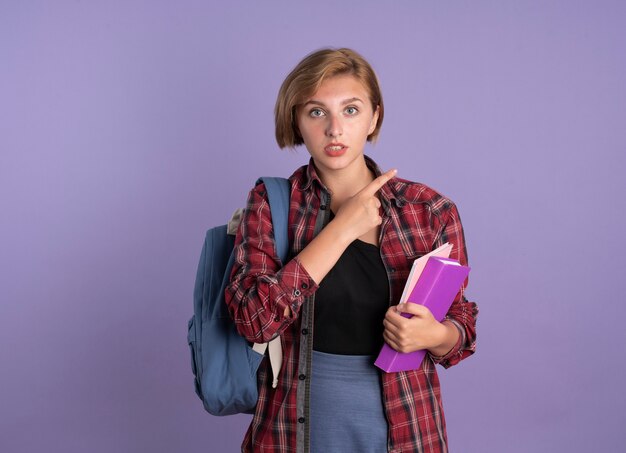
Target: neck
pixel 345 183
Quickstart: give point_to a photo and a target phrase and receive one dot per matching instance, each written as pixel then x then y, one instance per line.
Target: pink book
pixel 436 288
pixel 418 266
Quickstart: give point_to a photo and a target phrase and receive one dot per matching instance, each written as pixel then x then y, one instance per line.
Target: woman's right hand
pixel 361 213
pixel 357 216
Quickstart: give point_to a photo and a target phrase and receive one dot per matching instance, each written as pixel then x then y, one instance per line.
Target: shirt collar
pixel 388 191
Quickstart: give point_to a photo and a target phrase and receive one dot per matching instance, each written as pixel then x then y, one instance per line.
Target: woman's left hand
pixel 422 331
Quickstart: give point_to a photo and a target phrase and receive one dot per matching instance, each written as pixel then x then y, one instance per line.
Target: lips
pixel 335 149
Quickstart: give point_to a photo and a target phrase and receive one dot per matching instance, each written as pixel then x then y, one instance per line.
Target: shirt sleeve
pixel 260 289
pixel 462 313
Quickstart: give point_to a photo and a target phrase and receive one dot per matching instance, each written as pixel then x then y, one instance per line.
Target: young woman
pixel 354 233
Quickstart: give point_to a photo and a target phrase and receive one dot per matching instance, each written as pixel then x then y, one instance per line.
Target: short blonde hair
pixel 306 78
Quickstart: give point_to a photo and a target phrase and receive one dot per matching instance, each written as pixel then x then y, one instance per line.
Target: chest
pixel 406 233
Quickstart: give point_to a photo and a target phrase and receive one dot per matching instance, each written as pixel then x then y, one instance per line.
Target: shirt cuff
pixel 297 285
pixel 446 360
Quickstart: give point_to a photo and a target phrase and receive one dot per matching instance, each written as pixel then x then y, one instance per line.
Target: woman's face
pixel 335 122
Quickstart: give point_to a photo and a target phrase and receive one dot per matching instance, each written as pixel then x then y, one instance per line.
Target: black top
pixel 351 302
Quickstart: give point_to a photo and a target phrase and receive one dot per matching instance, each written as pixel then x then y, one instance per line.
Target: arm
pixel 462 313
pixel 358 215
pixel 264 298
pixel 452 340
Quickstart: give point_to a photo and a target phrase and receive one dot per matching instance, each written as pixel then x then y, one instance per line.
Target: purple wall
pixel 128 128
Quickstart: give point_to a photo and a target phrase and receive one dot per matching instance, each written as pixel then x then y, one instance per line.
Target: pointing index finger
pixel 377 183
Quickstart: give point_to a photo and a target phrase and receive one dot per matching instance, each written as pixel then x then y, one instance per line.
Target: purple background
pixel 129 127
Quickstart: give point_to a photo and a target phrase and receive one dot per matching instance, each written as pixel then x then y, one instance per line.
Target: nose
pixel 334 127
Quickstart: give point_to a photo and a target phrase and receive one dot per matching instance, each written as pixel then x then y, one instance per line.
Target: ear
pixel 374 120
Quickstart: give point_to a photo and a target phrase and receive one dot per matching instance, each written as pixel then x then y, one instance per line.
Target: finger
pixel 401 319
pixel 391 341
pixel 396 344
pixel 413 309
pixel 376 184
pixel 394 317
pixel 390 326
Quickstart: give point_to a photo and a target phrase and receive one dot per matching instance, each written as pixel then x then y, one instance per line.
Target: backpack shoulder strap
pixel 278 191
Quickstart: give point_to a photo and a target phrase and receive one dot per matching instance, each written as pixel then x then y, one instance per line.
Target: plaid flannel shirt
pixel 416 220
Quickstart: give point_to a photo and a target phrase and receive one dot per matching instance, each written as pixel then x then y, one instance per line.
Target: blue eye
pixel 352 111
pixel 316 113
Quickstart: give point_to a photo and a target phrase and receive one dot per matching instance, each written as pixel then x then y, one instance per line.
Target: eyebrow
pixel 344 102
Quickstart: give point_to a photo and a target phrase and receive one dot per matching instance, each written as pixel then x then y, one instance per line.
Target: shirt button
pixel 323 207
pixel 305 331
pixel 304 286
pixel 302 377
pixel 276 319
pixel 301 420
pixel 297 293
